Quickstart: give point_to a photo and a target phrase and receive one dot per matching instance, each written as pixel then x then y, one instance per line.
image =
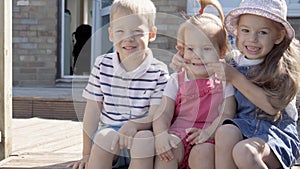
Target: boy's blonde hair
pixel 143 7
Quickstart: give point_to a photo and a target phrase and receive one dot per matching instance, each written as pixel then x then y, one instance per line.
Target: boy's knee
pixel 103 139
pixel 144 134
pixel 143 145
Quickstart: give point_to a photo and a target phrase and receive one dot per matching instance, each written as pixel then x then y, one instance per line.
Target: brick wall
pixel 34 42
pixel 167 22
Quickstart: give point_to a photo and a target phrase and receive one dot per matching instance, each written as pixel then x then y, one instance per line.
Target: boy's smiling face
pixel 130 34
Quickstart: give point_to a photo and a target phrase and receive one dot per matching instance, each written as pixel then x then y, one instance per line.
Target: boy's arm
pixel 155 100
pixel 143 123
pixel 161 112
pixel 131 127
pixel 90 124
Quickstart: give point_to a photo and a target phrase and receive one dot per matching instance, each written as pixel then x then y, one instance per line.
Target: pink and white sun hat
pixel 275 10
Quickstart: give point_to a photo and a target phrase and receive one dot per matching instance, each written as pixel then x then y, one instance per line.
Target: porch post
pixel 5 77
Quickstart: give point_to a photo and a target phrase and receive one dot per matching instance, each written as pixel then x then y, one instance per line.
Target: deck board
pixel 44 143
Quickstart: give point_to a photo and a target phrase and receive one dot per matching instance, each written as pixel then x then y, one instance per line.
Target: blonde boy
pixel 124 89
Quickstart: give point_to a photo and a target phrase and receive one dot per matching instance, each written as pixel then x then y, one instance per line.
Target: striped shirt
pixel 125 95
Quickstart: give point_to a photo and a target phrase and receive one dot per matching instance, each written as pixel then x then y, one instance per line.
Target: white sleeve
pixel 228 91
pixel 172 87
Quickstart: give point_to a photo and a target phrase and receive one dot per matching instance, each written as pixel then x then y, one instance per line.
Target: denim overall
pixel 280 135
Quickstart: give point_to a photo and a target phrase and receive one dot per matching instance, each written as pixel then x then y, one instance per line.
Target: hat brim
pixel 231 19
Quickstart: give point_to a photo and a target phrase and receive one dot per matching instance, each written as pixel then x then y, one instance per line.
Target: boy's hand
pixel 197 136
pixel 125 136
pixel 164 142
pixel 81 164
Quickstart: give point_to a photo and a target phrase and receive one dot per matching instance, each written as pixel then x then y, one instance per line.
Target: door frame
pixel 98 13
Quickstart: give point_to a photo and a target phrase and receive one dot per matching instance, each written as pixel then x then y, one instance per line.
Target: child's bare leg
pixel 178 157
pixel 227 136
pixel 254 153
pixel 142 150
pixel 101 153
pixel 202 156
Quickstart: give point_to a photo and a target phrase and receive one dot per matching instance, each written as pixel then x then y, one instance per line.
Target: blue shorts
pixel 124 158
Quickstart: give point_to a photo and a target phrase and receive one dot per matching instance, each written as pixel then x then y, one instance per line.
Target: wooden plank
pixel 22 108
pixel 5 77
pixel 40 161
pixel 63 108
pixel 45 135
pixel 44 143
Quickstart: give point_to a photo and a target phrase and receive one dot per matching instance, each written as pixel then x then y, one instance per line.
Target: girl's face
pixel 199 50
pixel 256 36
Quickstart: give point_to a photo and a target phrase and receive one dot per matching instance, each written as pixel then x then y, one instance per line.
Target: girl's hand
pixel 164 142
pixel 81 164
pixel 197 136
pixel 222 70
pixel 177 61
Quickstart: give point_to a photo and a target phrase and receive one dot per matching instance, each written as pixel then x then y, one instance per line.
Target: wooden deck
pixel 44 144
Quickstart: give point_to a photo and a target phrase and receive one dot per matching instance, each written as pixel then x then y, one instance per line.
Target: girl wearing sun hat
pixel 265 74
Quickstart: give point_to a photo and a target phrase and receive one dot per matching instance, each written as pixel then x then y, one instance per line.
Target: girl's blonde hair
pixel 204 22
pixel 144 7
pixel 279 74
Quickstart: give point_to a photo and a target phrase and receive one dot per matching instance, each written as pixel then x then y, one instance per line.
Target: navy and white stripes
pixel 125 95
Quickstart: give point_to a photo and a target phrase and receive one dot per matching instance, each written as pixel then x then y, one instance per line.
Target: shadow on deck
pixel 44 143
